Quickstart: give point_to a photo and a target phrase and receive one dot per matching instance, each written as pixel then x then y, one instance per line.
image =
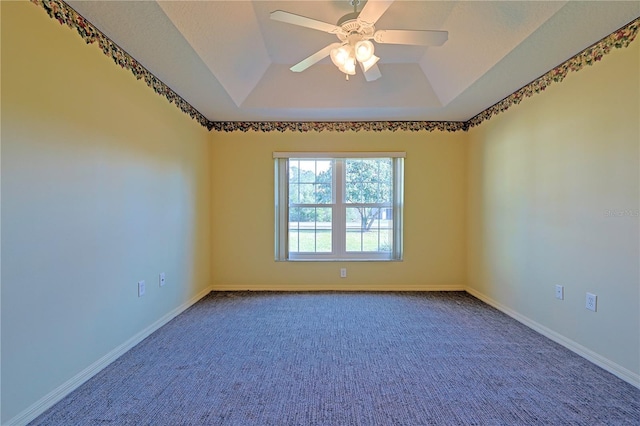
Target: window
pixel 338 206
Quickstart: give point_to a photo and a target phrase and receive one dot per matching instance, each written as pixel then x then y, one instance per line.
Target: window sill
pixel 339 260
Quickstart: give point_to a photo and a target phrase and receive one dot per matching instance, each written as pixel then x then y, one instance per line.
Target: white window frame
pixel 339 252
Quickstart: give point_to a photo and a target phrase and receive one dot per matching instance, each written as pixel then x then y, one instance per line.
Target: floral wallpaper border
pixel 618 39
pixel 61 11
pixel 338 126
pixel 58 9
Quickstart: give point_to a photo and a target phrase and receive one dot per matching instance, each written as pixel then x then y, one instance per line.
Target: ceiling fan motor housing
pixel 351 27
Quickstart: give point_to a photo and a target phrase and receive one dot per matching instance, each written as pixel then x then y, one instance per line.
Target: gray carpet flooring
pixel 335 358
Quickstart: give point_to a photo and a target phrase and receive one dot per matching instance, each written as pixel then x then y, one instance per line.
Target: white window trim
pixel 281 184
pixel 339 154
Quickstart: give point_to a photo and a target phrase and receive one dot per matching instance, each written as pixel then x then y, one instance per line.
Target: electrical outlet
pixel 343 272
pixel 560 292
pixel 161 279
pixel 592 302
pixel 141 288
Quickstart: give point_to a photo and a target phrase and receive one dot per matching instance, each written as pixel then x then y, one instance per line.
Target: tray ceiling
pixel 231 62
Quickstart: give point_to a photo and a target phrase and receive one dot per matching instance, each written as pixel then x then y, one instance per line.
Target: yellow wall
pixel 243 217
pixel 104 183
pixel 553 199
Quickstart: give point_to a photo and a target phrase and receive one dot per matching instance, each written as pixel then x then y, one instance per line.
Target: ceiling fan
pixel 355 31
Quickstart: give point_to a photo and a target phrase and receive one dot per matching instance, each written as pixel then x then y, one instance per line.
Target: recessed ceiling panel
pixel 491 31
pixel 227 37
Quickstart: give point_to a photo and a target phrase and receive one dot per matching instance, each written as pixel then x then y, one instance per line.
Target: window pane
pixel 310 182
pixel 310 230
pixel 294 171
pixel 294 219
pixel 307 193
pixel 307 170
pixel 368 229
pixel 324 171
pixel 323 193
pixel 369 180
pixel 294 193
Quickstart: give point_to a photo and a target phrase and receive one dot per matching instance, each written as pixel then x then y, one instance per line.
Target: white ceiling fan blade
pixel 372 73
pixel 420 38
pixel 372 11
pixel 316 57
pixel 290 18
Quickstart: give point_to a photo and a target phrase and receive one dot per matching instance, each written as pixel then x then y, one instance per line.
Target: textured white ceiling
pixel 231 62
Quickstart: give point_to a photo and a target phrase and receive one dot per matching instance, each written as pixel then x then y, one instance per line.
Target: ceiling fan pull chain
pixel 355 4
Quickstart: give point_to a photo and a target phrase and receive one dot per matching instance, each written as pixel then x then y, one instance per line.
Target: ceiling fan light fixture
pixel 349 66
pixel 340 55
pixel 364 50
pixel 366 65
pixel 355 32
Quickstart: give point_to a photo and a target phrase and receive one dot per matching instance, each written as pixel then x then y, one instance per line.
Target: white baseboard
pixel 605 363
pixel 72 384
pixel 336 287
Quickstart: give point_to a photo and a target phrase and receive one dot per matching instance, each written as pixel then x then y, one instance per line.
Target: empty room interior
pixel 140 152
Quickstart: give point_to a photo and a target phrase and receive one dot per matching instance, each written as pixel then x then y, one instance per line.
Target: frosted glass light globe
pixel 364 50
